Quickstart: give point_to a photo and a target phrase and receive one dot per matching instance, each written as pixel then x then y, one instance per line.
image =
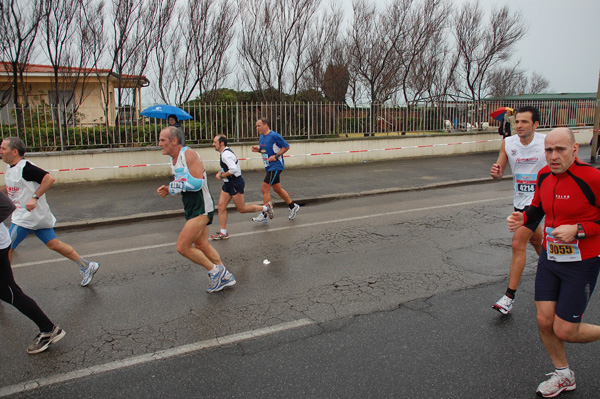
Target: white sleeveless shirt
pixel 181 163
pixel 525 162
pixel 20 191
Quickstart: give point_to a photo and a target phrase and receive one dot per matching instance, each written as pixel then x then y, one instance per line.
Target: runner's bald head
pixel 562 132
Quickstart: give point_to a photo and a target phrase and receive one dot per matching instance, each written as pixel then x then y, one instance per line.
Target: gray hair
pixel 265 121
pixel 175 133
pixel 15 143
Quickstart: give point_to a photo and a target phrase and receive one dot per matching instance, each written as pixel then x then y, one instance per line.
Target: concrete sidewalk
pixel 92 204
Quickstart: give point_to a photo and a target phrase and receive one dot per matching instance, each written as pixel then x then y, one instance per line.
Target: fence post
pixel 237 121
pixel 309 105
pixel 61 128
pixel 596 125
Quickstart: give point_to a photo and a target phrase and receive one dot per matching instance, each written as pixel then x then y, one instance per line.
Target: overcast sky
pixel 562 43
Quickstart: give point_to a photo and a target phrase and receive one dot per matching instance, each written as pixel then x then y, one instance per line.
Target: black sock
pixel 510 293
pixel 291 205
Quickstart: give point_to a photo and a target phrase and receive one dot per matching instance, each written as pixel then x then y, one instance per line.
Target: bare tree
pixel 373 42
pixel 275 43
pixel 254 45
pixel 165 55
pixel 19 28
pixel 325 66
pixel 316 44
pixel 538 84
pixel 439 64
pixel 130 45
pixel 198 62
pixel 483 45
pixel 512 81
pixel 418 55
pixel 91 35
pixel 123 42
pixel 506 81
pixel 72 35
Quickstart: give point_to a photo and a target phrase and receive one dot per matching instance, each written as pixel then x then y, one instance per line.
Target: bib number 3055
pixel 559 251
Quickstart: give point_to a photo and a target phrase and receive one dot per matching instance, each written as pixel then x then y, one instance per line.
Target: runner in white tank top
pixel 525 162
pixel 190 183
pixel 26 185
pixel 525 153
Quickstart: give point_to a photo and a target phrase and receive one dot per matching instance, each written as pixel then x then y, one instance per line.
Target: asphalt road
pixel 382 296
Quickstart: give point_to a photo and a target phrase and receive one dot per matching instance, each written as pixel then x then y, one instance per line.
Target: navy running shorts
pixel 234 186
pixel 569 284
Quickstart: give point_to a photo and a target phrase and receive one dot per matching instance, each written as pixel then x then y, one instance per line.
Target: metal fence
pixel 44 128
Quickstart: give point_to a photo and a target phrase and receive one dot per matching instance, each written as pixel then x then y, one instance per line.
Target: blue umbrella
pixel 164 111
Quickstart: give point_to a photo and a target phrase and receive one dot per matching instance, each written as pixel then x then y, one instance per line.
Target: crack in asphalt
pixel 332 305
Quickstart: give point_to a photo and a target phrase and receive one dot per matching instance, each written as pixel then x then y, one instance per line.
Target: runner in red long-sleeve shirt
pixel 568 194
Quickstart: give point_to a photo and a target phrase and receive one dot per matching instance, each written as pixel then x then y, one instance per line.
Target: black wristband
pixel 580 231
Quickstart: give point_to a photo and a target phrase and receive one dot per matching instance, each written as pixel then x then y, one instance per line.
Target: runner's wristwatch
pixel 35 196
pixel 580 231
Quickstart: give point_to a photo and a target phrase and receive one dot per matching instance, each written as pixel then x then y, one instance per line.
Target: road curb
pixel 123 220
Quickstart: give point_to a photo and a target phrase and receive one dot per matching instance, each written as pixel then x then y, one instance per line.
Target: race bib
pixel 525 182
pixel 265 159
pixel 176 187
pixel 559 251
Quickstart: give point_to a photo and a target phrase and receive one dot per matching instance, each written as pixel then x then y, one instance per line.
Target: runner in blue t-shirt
pixel 272 147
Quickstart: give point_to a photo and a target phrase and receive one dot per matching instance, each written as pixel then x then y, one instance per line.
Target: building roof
pixel 48 70
pixel 546 97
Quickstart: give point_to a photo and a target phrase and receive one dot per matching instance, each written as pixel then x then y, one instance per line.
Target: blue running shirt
pixel 270 144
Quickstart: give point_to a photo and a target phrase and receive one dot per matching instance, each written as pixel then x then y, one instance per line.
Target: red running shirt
pixel 569 198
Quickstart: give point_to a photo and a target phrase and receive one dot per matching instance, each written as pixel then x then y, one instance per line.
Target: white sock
pixel 265 209
pixel 223 231
pixel 564 370
pixel 214 270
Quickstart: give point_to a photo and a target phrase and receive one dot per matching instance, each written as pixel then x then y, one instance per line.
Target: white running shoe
pixel 294 211
pixel 214 279
pixel 261 219
pixel 557 383
pixel 504 305
pixel 221 279
pixel 89 272
pixel 226 281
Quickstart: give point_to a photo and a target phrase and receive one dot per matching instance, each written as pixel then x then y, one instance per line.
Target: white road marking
pixel 270 230
pixel 115 252
pixel 371 215
pixel 212 343
pixel 150 357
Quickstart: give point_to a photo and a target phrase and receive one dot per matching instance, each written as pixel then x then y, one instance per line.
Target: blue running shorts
pixel 18 234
